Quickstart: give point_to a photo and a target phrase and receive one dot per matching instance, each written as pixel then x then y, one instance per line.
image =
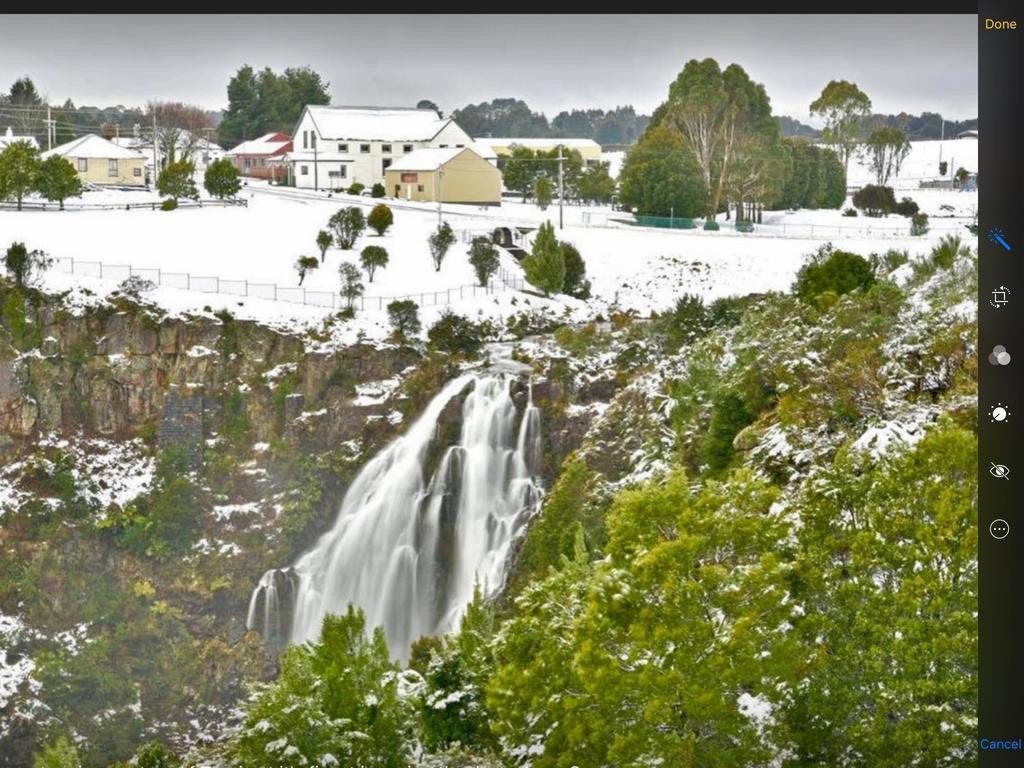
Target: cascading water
pixel 406 547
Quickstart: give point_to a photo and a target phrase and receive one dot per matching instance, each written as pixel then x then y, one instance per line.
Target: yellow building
pixel 453 175
pixel 102 162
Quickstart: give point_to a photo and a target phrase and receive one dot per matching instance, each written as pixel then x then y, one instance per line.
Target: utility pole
pixel 440 174
pixel 156 153
pixel 316 165
pixel 50 131
pixel 561 190
pixel 942 137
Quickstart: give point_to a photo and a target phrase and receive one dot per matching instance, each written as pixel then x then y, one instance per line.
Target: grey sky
pixel 910 63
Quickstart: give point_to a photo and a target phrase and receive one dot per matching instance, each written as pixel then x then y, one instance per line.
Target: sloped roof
pixel 376 123
pixel 429 159
pixel 8 138
pixel 92 145
pixel 267 144
pixel 539 143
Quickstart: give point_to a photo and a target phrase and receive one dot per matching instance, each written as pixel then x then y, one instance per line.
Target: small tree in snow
pixel 483 256
pixel 305 265
pixel 380 219
pixel 347 225
pixel 19 166
pixel 351 286
pixel 440 241
pixel 58 180
pixel 404 317
pixel 221 179
pixel 373 258
pixel 545 266
pixel 543 192
pixel 175 181
pixel 24 266
pixel 323 242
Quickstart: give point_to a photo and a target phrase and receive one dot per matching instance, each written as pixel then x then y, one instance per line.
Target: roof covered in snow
pixel 429 159
pixel 539 143
pixel 8 138
pixel 92 145
pixel 376 123
pixel 267 144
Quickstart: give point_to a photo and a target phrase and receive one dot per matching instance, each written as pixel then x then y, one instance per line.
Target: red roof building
pixel 262 158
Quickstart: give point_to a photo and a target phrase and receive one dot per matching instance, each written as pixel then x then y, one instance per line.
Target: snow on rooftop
pixel 92 145
pixel 549 143
pixel 428 159
pixel 376 123
pixel 8 138
pixel 267 144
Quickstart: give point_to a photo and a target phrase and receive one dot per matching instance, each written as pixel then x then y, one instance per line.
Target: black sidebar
pixel 1000 387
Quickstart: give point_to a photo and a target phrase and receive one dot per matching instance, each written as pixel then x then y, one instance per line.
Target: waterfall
pixel 408 547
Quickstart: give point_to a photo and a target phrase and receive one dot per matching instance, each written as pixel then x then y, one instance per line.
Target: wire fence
pixel 503 280
pixel 35 205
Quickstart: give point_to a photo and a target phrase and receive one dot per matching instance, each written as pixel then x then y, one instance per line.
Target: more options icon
pixel 999 528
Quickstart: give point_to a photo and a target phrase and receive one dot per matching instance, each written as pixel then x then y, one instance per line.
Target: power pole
pixel 561 190
pixel 316 165
pixel 942 137
pixel 440 174
pixel 156 154
pixel 50 130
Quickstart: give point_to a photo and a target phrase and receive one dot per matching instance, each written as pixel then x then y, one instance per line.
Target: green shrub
pixel 850 213
pixel 356 188
pixel 372 258
pixel 169 204
pixel 711 225
pixel 455 333
pixel 545 266
pixel 176 180
pixel 687 321
pixel 948 250
pixel 377 190
pixel 875 200
pixel 404 316
pixel 347 225
pixel 919 224
pixel 831 270
pixel 484 258
pixel 380 218
pixel 744 226
pixel 575 283
pixel 221 179
pixel 906 207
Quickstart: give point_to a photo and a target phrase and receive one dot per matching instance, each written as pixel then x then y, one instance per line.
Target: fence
pixel 797 230
pixel 503 281
pixel 34 205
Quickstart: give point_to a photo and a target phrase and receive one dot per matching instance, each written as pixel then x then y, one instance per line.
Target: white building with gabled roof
pixel 102 162
pixel 335 147
pixel 8 138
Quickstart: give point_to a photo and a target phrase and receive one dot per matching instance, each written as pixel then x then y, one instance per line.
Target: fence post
pixel 275 291
pixel 246 288
pixel 303 295
pixel 448 296
pixel 101 269
pixel 217 284
pixel 188 281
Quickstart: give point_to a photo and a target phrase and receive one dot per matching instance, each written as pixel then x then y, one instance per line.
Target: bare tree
pixel 179 128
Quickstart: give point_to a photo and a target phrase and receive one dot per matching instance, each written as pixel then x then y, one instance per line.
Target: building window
pixel 83 165
pixel 386 148
pixel 312 139
pixel 459 146
pixel 364 148
pixel 304 170
pixel 112 168
pixel 419 187
pixel 137 172
pixel 343 148
pixel 385 163
pixel 443 146
pixel 338 174
pixel 407 148
pixel 305 139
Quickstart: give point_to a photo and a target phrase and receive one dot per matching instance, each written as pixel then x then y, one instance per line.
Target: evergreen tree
pixel 176 181
pixel 324 239
pixel 373 258
pixel 542 192
pixel 595 184
pixel 380 219
pixel 440 242
pixel 575 282
pixel 545 266
pixel 660 177
pixel 19 167
pixel 483 256
pixel 221 179
pixel 351 286
pixel 58 180
pixel 267 101
pixel 520 170
pixel 25 266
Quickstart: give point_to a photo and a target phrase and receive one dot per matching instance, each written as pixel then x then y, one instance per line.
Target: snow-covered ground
pixel 212 257
pixel 922 164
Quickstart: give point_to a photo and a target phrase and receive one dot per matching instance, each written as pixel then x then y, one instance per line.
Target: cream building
pixel 102 162
pixel 451 175
pixel 589 149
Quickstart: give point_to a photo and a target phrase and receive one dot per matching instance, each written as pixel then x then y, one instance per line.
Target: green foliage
pixel 544 267
pixel 575 282
pixel 373 257
pixel 575 507
pixel 304 265
pixel 19 170
pixel 483 257
pixel 377 190
pixel 155 755
pixel 919 224
pixel 948 250
pixel 711 225
pixel 176 181
pixel 356 188
pixel 816 177
pixel 404 316
pixel 832 270
pixel 875 200
pixel 542 192
pixel 843 106
pixel 455 333
pixel 25 332
pixel 58 180
pixel 906 207
pixel 338 697
pixel 351 286
pixel 324 239
pixel 440 242
pixel 23 266
pixel 170 204
pixel 380 217
pixel 520 170
pixel 687 322
pixel 267 101
pixel 660 176
pixel 165 521
pixel 60 753
pixel 221 179
pixel 347 225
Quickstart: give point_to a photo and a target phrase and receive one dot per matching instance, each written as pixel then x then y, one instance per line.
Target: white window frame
pixel 83 165
pixel 112 169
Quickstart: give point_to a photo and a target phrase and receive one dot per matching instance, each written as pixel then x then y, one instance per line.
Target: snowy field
pixel 238 250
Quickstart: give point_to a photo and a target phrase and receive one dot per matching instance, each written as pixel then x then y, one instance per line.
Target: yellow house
pixel 102 162
pixel 452 175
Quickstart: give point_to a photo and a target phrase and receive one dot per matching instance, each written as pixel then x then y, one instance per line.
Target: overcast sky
pixel 904 63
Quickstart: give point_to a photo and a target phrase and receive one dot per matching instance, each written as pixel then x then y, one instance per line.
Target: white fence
pixel 70 205
pixel 185 281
